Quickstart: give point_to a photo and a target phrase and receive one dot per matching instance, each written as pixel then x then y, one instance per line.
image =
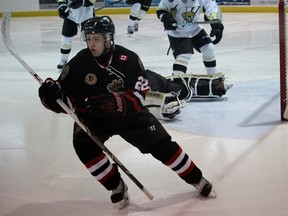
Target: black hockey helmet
pixel 100 24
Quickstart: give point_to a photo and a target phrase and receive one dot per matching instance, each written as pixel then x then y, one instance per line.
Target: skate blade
pixel 212 194
pixel 123 203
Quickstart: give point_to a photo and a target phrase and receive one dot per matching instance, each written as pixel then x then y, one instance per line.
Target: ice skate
pixel 130 30
pixel 61 65
pixel 136 26
pixel 120 196
pixel 205 188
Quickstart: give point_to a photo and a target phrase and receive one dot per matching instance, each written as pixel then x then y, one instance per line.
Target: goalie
pixel 168 95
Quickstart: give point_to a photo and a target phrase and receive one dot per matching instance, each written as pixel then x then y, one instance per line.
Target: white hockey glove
pixel 164 106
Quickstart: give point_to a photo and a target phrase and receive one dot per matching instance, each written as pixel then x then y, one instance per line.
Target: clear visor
pixel 106 35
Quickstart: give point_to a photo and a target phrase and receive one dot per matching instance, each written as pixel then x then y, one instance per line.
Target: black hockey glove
pixel 105 105
pixel 169 22
pixel 49 92
pixel 217 31
pixel 63 10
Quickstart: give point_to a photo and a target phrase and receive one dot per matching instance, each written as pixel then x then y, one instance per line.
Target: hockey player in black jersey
pixel 106 84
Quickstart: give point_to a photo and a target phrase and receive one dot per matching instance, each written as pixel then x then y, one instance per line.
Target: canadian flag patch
pixel 123 57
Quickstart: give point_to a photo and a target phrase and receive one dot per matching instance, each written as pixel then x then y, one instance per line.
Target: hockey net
pixel 283 47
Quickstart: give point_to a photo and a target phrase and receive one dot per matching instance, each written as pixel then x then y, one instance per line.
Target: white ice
pixel 239 142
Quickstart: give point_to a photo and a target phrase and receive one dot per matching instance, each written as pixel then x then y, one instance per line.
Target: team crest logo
pixel 188 16
pixel 64 72
pixel 115 85
pixel 90 79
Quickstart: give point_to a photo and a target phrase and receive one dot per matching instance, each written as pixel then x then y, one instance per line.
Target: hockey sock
pixel 135 10
pixel 172 155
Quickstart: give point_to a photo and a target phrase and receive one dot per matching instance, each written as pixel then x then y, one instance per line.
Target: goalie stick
pixel 7 42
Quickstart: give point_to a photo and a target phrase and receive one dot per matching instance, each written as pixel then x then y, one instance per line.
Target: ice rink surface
pixel 239 142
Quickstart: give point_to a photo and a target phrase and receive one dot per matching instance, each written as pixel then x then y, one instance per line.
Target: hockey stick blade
pixel 5 30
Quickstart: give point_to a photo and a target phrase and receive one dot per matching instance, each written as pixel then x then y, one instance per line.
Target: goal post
pixel 283 48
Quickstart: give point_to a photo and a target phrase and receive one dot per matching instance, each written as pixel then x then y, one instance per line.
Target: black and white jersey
pixel 189 11
pixel 79 15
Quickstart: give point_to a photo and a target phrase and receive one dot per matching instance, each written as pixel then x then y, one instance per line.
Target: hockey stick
pixel 100 8
pixel 7 41
pixel 198 22
pixel 112 3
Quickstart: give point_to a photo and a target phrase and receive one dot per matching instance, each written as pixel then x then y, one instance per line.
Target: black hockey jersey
pixel 120 70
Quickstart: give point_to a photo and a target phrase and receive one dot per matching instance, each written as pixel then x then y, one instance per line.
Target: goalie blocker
pixel 168 95
pixel 164 106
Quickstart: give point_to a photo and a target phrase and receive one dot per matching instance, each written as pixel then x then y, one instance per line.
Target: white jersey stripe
pixel 177 161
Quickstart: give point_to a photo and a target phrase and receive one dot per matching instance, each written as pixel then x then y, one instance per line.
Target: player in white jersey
pixel 138 9
pixel 74 13
pixel 185 36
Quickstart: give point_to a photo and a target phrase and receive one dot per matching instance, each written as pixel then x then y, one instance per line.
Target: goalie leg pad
pixel 185 83
pixel 209 85
pixel 204 85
